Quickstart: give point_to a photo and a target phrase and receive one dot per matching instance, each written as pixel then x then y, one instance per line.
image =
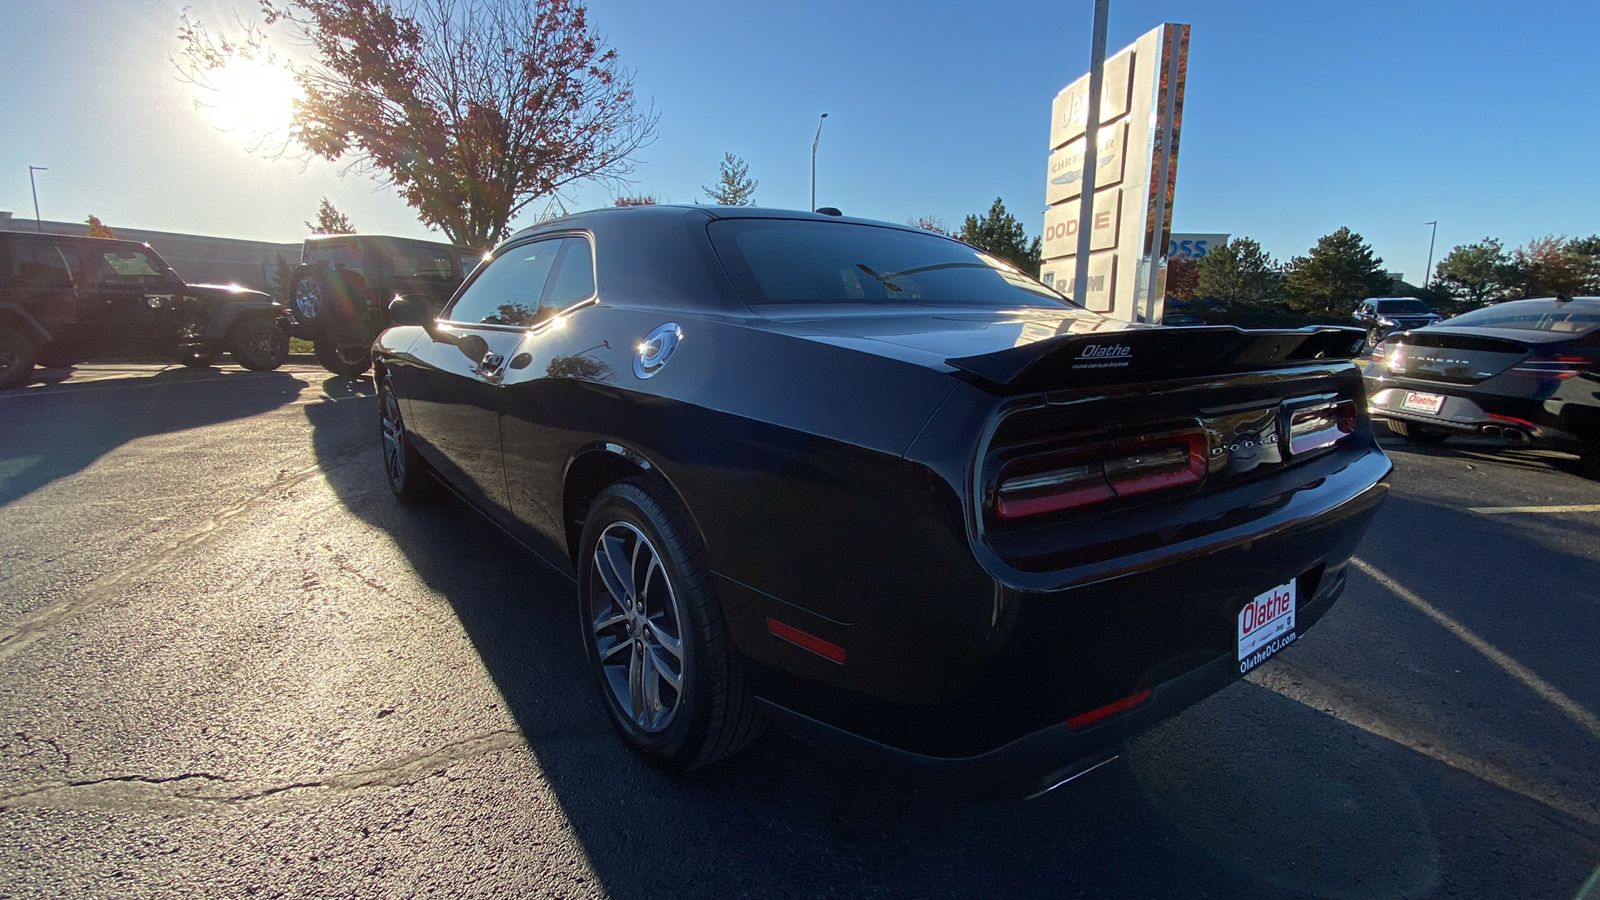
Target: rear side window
pixel 420 261
pixel 574 278
pixel 1572 317
pixel 39 264
pixel 803 261
pixel 508 291
pixel 127 266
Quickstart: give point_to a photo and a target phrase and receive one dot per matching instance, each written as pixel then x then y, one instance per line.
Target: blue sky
pixel 1299 118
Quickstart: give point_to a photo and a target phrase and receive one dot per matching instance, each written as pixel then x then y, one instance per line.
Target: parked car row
pixel 66 299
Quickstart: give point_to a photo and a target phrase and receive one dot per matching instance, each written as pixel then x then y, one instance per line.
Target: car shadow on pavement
pixel 1489 450
pixel 39 445
pixel 1248 795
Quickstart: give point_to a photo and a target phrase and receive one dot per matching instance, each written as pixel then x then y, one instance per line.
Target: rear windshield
pixel 799 261
pixel 1403 307
pixel 1535 315
pixel 337 254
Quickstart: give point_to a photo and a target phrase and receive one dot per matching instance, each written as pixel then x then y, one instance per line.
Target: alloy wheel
pixel 394 439
pixel 307 298
pixel 636 623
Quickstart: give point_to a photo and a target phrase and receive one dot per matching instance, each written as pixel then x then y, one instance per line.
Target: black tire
pixel 713 713
pixel 408 475
pixel 17 354
pixel 258 344
pixel 197 360
pixel 348 360
pixel 1418 433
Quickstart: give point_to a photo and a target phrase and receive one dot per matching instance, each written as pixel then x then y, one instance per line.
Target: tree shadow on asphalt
pixel 1247 795
pixel 39 443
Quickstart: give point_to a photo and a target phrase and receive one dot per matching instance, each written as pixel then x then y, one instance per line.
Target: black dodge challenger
pixel 880 488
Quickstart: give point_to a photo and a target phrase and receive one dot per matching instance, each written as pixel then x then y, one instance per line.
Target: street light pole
pixel 1428 272
pixel 37 225
pixel 814 161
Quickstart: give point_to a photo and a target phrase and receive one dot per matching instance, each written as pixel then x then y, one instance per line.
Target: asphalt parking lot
pixel 232 665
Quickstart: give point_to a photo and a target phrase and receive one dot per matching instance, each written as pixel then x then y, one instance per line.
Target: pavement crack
pixel 207 790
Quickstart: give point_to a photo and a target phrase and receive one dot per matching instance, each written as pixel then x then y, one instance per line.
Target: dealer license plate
pixel 1417 401
pixel 1266 625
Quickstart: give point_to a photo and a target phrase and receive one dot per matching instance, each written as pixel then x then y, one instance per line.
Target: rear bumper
pixel 1045 759
pixel 1523 420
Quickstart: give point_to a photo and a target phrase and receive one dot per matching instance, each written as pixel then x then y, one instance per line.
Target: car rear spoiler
pixel 1151 354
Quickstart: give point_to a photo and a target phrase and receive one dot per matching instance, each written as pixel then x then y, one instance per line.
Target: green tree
pixel 1339 272
pixel 281 273
pixel 1552 265
pixel 330 220
pixel 470 109
pixel 97 228
pixel 1238 273
pixel 999 234
pixel 1473 274
pixel 734 185
pixel 635 200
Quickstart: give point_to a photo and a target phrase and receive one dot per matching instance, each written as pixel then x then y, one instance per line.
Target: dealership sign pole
pixel 1091 137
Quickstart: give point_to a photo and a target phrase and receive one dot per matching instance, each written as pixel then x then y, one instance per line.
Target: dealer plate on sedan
pixel 1417 401
pixel 1266 625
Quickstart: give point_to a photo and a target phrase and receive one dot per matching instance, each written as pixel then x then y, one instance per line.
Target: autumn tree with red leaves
pixel 471 109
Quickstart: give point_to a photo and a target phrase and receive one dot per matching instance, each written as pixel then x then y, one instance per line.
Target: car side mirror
pixel 1434 311
pixel 412 310
pixel 1358 315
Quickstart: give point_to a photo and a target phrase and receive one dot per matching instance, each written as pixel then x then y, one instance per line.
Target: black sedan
pixel 1527 371
pixel 879 488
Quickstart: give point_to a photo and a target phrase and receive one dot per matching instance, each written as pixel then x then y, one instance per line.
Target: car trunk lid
pixel 1458 357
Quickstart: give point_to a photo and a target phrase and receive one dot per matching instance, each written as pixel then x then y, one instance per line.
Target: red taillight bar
pixel 1049 482
pixel 1558 366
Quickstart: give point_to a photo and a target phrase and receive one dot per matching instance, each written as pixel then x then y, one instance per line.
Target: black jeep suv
pixel 339 296
pixel 67 299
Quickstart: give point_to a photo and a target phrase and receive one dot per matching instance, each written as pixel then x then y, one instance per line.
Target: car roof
pixel 688 211
pixel 666 260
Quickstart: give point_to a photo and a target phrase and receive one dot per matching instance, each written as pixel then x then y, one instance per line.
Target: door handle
pixel 492 367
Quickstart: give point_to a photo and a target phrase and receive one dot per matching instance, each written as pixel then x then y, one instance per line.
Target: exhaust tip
pixel 1494 431
pixel 1517 436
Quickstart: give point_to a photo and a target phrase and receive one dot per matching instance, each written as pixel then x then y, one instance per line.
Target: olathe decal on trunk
pixel 1103 356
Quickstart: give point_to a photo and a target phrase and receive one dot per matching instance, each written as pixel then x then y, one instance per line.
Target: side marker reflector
pixel 825 649
pixel 1110 709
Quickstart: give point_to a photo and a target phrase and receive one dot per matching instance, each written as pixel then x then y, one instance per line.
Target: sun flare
pixel 251 98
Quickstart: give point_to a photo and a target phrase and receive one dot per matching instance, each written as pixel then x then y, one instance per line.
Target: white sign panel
pixel 1070 112
pixel 1135 168
pixel 1194 246
pixel 1058 273
pixel 1066 164
pixel 1061 226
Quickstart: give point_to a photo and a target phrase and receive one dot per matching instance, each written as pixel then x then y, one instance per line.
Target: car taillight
pixel 372 298
pixel 1397 358
pixel 1323 425
pixel 1556 366
pixel 1079 476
